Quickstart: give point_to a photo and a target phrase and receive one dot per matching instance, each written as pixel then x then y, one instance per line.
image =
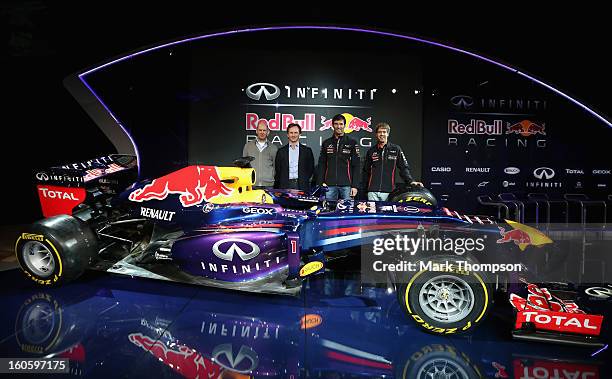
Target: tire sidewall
pixel 54 247
pixel 71 242
pixel 409 298
pixel 417 360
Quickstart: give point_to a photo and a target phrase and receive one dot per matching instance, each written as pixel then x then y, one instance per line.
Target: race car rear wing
pixel 62 188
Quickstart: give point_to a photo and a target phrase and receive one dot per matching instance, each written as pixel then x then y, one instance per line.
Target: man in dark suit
pixel 294 163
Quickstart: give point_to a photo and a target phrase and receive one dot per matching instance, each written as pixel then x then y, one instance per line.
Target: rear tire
pixel 56 250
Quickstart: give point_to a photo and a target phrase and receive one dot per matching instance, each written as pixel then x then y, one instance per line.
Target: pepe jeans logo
pixel 544 173
pixel 270 91
pixel 226 248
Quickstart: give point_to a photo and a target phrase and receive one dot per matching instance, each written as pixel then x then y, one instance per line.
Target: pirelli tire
pixel 438 361
pixel 56 250
pixel 446 302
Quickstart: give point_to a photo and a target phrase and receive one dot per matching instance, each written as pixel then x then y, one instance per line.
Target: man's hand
pixel 418 184
pixel 353 192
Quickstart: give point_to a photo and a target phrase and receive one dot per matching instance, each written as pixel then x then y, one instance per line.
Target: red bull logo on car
pixel 526 128
pixel 522 235
pixel 194 184
pixel 182 359
pixel 353 123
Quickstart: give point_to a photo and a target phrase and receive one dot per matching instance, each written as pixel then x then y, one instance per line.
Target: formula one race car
pixel 207 225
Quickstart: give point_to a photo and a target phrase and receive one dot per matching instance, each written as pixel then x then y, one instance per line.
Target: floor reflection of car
pixel 332 330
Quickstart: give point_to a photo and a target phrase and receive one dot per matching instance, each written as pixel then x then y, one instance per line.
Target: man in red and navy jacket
pixel 339 163
pixel 383 162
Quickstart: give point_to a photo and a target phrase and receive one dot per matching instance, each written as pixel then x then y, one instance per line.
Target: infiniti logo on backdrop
pixel 228 255
pixel 270 91
pixel 462 101
pixel 544 173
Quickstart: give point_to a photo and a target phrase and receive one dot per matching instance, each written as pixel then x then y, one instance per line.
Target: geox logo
pixel 30 236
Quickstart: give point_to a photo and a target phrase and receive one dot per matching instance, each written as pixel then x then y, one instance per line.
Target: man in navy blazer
pixel 294 163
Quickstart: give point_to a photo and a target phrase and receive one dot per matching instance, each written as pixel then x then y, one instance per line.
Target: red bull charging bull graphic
pixel 194 184
pixel 526 128
pixel 182 359
pixel 353 123
pixel 522 235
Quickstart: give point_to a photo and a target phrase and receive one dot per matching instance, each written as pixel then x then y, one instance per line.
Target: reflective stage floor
pixel 116 327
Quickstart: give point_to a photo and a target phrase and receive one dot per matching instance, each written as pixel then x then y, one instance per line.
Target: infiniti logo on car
pixel 228 255
pixel 244 362
pixel 270 91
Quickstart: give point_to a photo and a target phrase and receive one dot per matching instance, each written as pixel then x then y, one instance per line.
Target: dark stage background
pixel 44 42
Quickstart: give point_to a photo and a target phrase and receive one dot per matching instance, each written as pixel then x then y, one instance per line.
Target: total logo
pixel 55 194
pixel 564 322
pixel 574 172
pixel 512 170
pixel 56 200
pixel 441 169
pixel 353 123
pixel 226 248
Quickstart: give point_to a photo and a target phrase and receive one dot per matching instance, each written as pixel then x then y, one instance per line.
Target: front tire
pixel 55 250
pixel 446 302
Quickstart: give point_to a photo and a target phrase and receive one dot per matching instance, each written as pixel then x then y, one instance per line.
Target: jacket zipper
pixel 336 168
pixel 382 167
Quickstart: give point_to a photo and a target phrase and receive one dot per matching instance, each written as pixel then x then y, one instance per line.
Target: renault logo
pixel 544 173
pixel 244 362
pixel 462 101
pixel 270 91
pixel 226 248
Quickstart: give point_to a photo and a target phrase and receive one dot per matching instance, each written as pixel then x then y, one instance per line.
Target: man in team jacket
pixel 383 162
pixel 339 163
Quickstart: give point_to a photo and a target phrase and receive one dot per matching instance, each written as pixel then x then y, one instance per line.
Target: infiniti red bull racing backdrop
pixel 296 86
pixel 468 127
